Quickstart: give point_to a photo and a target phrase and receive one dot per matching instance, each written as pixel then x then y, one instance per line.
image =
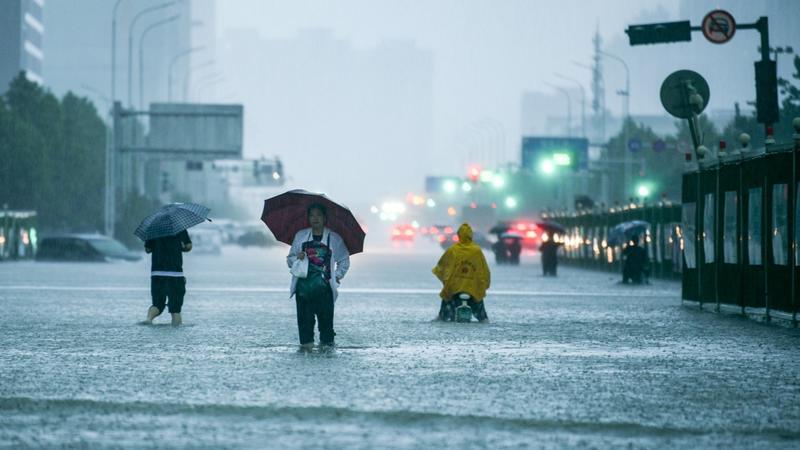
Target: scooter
pixel 461 313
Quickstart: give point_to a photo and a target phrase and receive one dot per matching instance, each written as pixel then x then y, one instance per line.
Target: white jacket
pixel 340 256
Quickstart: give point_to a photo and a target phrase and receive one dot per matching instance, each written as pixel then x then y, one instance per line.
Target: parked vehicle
pixel 83 248
pixel 206 240
pixel 254 238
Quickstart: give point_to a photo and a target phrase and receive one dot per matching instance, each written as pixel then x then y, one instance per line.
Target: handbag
pixel 300 268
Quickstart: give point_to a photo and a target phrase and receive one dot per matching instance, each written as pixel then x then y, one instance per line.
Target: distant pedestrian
pixel 549 250
pixel 462 269
pixel 167 281
pixel 634 263
pixel 328 261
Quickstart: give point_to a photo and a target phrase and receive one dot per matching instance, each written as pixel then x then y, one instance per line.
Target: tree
pixel 53 154
pixel 783 130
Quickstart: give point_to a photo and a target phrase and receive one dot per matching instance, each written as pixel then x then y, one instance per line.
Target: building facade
pixel 21 40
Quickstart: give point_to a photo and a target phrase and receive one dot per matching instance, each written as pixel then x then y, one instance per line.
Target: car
pixel 254 238
pixel 448 239
pixel 206 240
pixel 403 232
pixel 83 248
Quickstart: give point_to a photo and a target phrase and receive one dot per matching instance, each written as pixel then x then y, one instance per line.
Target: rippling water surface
pixel 577 361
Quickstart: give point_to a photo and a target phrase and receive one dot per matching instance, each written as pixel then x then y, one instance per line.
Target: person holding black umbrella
pixel 165 236
pixel 326 261
pixel 167 281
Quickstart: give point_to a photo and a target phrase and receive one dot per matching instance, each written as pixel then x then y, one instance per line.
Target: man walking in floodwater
pixel 463 270
pixel 634 264
pixel 167 282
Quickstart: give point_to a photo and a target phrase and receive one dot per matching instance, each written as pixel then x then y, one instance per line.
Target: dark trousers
pixel 321 308
pixel 172 288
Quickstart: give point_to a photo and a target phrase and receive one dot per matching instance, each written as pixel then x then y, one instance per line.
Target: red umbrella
pixel 287 213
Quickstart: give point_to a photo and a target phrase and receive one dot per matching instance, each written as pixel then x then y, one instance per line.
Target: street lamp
pixel 193 69
pixel 175 59
pixel 583 101
pixel 569 106
pixel 132 26
pixel 627 113
pixel 141 53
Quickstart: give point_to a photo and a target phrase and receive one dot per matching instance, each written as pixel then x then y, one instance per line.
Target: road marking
pixel 381 291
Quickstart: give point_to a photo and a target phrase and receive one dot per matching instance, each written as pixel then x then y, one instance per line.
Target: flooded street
pixel 575 361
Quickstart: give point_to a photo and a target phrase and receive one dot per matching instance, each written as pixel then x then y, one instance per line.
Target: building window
pixel 194 165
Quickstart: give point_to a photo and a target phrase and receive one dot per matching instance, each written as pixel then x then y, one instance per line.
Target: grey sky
pixel 486 54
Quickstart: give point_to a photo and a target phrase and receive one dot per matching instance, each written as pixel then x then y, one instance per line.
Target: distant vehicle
pixel 403 232
pixel 448 239
pixel 83 248
pixel 206 240
pixel 530 232
pixel 253 238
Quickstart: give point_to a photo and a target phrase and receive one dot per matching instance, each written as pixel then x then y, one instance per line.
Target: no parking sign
pixel 718 26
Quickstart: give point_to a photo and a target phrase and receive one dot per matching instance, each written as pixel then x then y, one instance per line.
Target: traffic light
pixel 766 91
pixel 659 33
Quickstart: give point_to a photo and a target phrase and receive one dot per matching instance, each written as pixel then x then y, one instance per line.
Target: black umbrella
pixel 171 219
pixel 551 227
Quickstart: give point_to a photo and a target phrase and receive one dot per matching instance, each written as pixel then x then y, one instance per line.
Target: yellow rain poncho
pixel 463 268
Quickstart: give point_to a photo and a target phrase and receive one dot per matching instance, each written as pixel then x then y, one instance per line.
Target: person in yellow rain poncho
pixel 463 270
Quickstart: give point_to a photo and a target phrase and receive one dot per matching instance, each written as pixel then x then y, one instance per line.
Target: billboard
pixel 197 129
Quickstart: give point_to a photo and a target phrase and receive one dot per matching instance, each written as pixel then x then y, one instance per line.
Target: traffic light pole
pixel 765 69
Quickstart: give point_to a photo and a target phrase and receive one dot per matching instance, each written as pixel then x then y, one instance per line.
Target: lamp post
pixel 109 216
pixel 210 80
pixel 192 70
pixel 136 18
pixel 569 106
pixel 141 53
pixel 583 101
pixel 175 59
pixel 626 113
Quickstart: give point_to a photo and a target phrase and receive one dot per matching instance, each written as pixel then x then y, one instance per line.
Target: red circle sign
pixel 718 26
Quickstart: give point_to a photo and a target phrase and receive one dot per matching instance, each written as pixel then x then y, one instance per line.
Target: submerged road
pixel 576 361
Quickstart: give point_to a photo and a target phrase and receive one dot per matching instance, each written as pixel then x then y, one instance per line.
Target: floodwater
pixel 576 361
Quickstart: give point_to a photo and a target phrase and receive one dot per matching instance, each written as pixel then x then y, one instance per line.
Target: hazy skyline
pixel 486 54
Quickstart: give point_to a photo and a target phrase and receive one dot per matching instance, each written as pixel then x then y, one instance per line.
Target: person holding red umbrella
pixel 326 263
pixel 323 234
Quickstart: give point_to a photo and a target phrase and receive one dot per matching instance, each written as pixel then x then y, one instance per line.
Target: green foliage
pixel 135 208
pixel 658 168
pixel 53 154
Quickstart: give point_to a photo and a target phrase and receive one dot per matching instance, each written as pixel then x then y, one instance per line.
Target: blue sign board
pixel 564 151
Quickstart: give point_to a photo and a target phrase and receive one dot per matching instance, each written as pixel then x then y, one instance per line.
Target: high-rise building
pixel 21 37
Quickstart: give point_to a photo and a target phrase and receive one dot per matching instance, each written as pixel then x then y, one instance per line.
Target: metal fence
pixel 733 240
pixel 742 219
pixel 586 242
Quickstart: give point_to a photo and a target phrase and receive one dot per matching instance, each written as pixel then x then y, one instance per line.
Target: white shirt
pixel 340 256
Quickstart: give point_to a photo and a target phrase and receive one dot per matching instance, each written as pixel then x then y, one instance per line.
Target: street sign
pixel 718 26
pixel 634 144
pixel 565 152
pixel 659 145
pixel 677 90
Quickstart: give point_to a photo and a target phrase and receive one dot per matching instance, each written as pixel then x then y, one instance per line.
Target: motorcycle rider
pixel 462 269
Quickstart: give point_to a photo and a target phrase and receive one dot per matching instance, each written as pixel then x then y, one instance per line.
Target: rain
pixel 528 224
